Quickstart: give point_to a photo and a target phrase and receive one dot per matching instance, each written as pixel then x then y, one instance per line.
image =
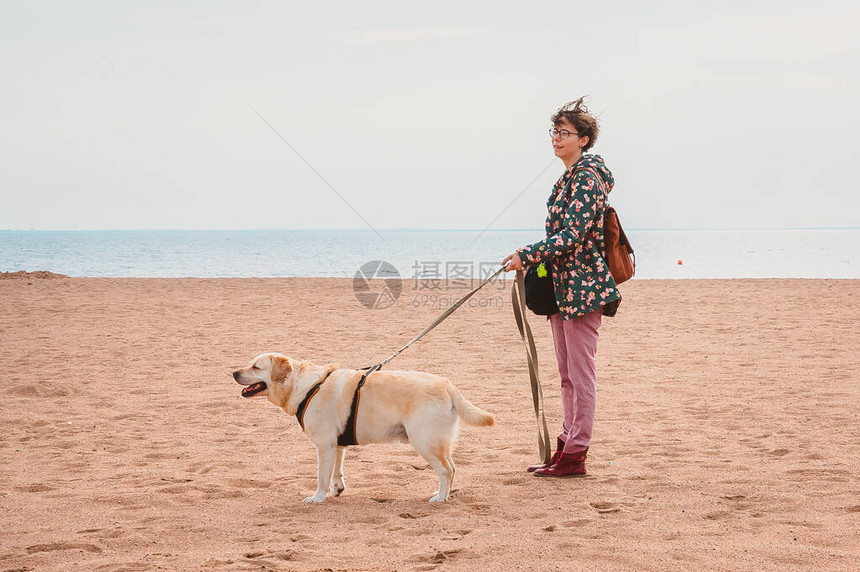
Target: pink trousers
pixel 576 351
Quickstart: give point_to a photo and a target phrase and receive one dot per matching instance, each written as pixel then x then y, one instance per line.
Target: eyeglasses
pixel 562 134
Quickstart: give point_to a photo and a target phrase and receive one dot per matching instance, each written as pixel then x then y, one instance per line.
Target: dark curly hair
pixel 577 115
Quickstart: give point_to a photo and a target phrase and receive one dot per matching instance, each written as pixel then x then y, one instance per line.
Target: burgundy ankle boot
pixel 568 465
pixel 552 461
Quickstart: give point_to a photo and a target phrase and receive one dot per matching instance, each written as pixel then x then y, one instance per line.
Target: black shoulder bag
pixel 540 294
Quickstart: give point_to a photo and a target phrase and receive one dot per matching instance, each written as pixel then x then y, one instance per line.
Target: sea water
pixel 338 253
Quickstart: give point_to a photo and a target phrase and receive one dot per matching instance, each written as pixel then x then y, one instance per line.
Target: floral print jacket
pixel 574 241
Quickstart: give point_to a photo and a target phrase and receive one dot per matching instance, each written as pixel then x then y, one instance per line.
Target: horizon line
pixel 410 229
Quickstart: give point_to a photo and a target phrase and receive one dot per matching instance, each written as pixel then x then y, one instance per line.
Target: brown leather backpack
pixel 619 252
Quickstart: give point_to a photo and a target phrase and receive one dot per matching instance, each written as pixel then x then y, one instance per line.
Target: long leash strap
pixel 439 320
pixel 518 299
pixel 348 436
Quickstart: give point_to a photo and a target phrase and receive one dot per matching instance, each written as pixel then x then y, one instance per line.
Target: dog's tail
pixel 468 412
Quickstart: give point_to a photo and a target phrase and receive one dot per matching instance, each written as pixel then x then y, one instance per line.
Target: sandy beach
pixel 727 434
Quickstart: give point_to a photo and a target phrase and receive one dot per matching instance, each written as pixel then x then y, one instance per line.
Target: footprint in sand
pixel 62 546
pixel 35 488
pixel 123 567
pixel 159 456
pixel 201 468
pixel 283 555
pixel 115 533
pixel 244 483
pixel 173 489
pixel 605 507
pixel 437 559
pixel 369 519
pixel 176 479
pixel 480 509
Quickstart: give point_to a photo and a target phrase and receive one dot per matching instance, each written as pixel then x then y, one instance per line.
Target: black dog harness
pixel 346 438
pixel 300 412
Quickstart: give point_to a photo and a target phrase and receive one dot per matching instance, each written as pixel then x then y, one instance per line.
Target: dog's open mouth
pixel 253 389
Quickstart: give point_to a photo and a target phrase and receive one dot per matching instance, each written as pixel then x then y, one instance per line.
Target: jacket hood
pixel 596 163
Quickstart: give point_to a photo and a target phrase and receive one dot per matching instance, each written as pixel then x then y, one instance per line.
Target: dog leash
pixel 518 300
pixel 435 323
pixel 348 437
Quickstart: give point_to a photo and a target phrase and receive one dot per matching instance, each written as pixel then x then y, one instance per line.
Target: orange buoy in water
pixel 680 262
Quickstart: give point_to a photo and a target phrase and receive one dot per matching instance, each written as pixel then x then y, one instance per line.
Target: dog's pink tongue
pixel 253 389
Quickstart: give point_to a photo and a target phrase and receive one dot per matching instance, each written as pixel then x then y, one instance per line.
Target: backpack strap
pixel 601 184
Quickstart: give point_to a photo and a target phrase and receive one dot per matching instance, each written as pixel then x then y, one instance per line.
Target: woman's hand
pixel 512 262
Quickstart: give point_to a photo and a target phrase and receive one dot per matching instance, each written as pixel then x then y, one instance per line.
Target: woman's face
pixel 570 147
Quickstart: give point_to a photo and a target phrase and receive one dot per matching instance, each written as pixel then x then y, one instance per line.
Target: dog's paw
pixel 438 498
pixel 338 485
pixel 317 498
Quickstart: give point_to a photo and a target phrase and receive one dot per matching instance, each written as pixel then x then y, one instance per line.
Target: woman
pixel 584 288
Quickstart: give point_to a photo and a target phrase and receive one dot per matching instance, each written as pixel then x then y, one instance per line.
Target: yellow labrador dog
pixel 393 406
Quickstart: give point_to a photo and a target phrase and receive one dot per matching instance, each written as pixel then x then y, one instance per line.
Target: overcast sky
pixel 133 115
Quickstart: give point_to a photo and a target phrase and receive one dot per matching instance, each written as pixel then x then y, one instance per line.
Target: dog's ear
pixel 280 368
